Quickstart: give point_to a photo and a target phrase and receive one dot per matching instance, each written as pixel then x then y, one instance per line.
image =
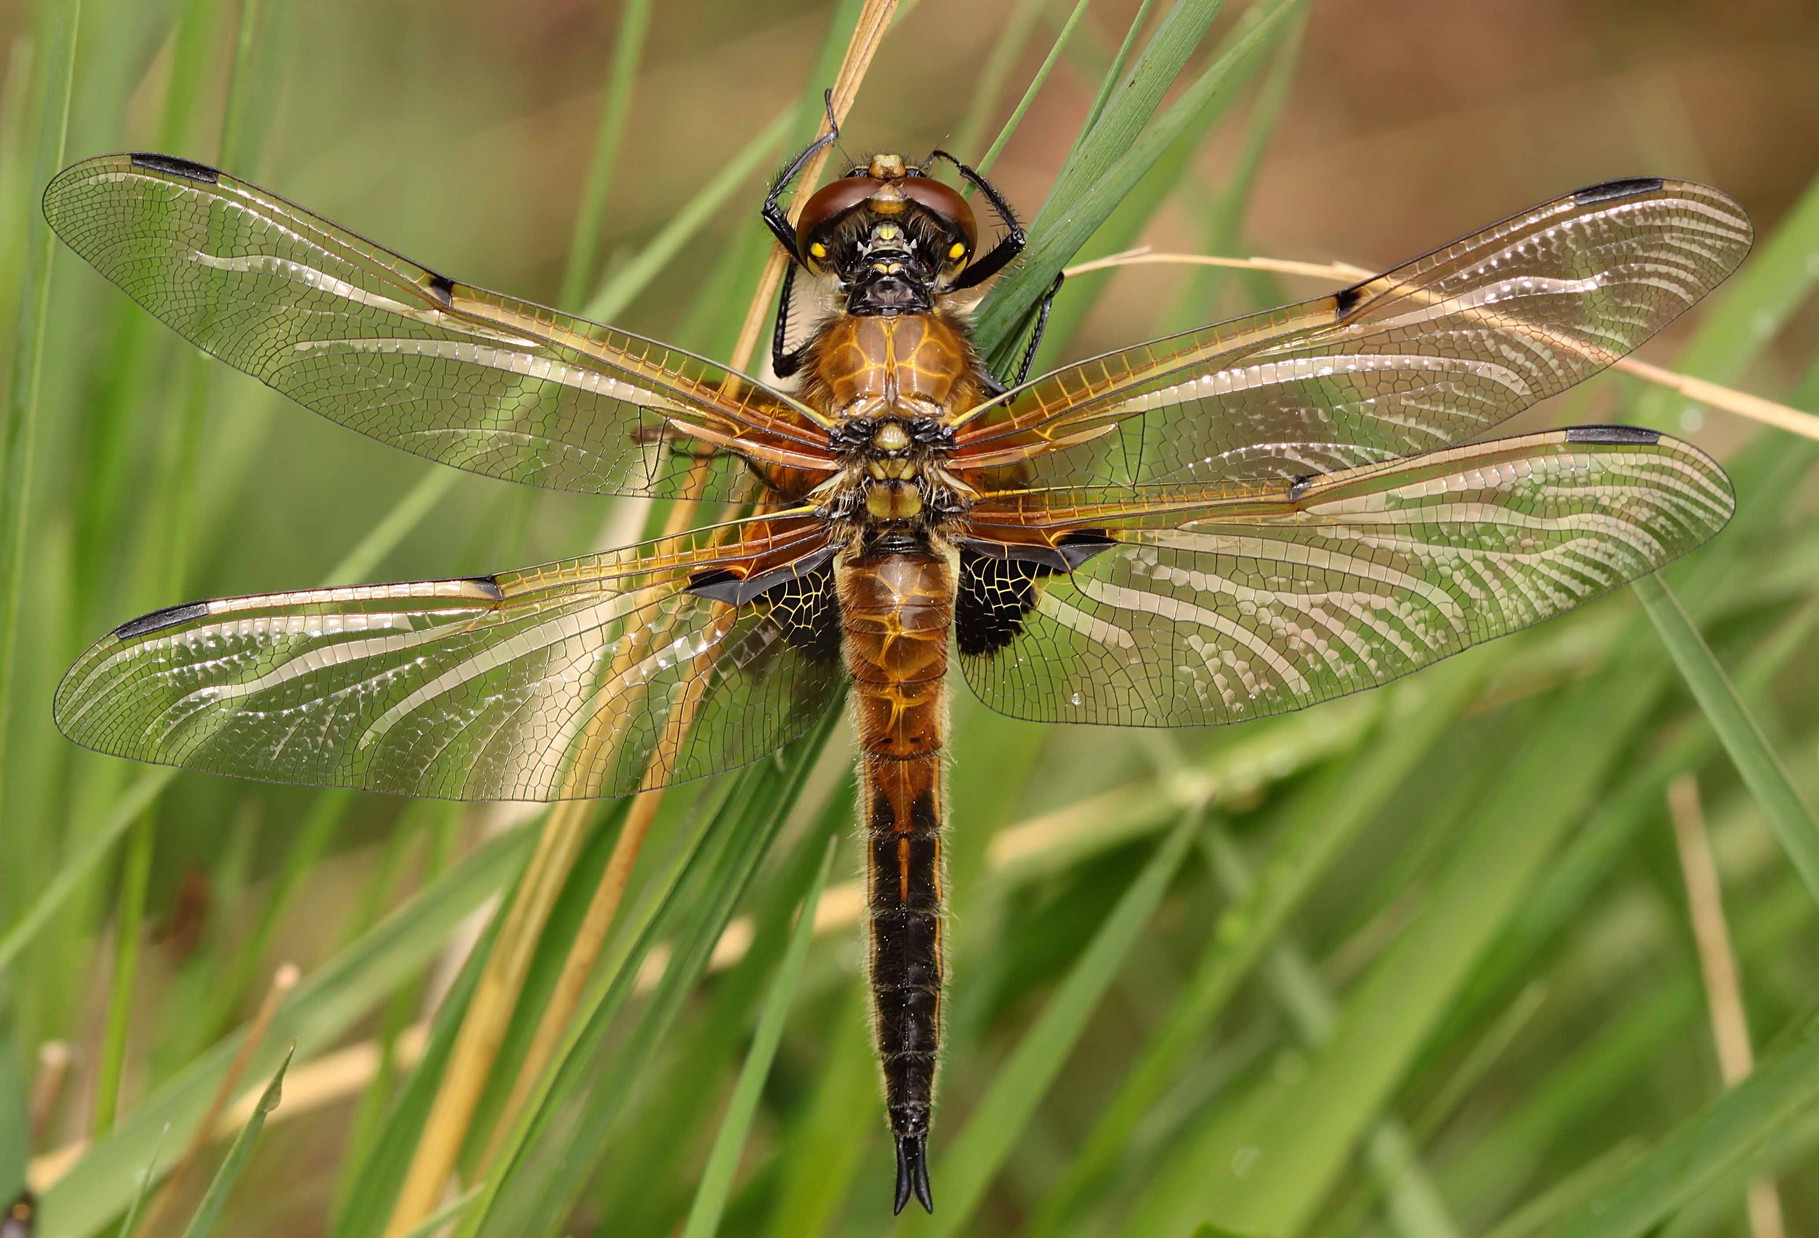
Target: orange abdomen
pixel 897 609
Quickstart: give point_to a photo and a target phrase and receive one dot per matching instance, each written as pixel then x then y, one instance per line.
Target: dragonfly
pixel 1207 528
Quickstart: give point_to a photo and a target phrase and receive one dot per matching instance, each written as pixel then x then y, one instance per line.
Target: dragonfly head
pixel 891 235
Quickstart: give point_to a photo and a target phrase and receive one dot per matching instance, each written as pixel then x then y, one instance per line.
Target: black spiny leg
pixel 1042 308
pixel 775 217
pixel 783 362
pixel 996 388
pixel 1013 241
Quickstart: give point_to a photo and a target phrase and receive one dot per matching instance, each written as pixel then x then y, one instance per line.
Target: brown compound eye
pixel 830 202
pixel 946 203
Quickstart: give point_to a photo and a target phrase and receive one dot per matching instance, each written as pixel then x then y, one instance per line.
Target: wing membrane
pixel 1259 602
pixel 371 340
pixel 590 677
pixel 1428 355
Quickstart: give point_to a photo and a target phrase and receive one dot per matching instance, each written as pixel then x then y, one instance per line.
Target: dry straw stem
pixel 283 981
pixel 1718 965
pixel 54 1057
pixel 483 1030
pixel 1729 399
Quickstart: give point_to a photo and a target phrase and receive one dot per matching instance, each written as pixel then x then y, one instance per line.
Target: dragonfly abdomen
pixel 897 609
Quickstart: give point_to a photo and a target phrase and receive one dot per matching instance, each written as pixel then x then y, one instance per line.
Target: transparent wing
pixel 1248 603
pixel 591 677
pixel 371 340
pixel 1426 356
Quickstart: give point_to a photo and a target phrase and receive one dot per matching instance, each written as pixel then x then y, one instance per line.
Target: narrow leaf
pixel 1788 814
pixel 723 1162
pixel 1008 1105
pixel 215 1201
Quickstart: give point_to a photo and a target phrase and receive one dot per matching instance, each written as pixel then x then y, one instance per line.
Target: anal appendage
pixel 912 1172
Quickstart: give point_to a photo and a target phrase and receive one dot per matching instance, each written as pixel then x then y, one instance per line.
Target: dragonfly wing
pixel 371 340
pixel 1248 603
pixel 1429 355
pixel 591 677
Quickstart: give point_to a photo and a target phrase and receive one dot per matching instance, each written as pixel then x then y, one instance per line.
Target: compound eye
pixel 829 203
pixel 946 204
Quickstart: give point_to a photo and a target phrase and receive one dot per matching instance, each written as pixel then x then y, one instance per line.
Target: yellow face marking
pixel 957 251
pixel 888 232
pixel 817 250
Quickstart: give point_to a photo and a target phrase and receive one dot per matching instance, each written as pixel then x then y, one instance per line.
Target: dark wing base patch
pixel 998 586
pixel 806 608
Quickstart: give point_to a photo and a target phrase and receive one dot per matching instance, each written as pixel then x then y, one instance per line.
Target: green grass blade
pixel 437 1221
pixel 1415 1206
pixel 1324 819
pixel 1780 1091
pixel 1030 92
pixel 99 1185
pixel 367 1209
pixel 1115 157
pixel 689 906
pixel 687 221
pixel 1114 72
pixel 609 132
pixel 384 536
pixel 146 1178
pixel 1130 102
pixel 994 71
pixel 827 1142
pixel 992 1130
pixel 214 1202
pixel 19 430
pixel 1750 751
pixel 723 1161
pixel 128 928
pixel 80 866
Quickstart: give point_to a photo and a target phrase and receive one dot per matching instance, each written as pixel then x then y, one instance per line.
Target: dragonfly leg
pixel 1008 247
pixel 784 362
pixel 1042 308
pixel 776 218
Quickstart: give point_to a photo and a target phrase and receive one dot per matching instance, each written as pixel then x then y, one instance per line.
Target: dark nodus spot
pixel 1629 436
pixel 158 620
pixel 1611 191
pixel 173 166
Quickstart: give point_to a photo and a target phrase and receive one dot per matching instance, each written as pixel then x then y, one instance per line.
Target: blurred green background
pixel 1417 963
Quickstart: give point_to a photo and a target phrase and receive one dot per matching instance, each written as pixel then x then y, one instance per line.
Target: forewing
pixel 373 341
pixel 1426 356
pixel 592 677
pixel 1257 603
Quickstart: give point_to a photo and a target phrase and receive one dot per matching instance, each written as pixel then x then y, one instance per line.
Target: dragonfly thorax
pixel 894 471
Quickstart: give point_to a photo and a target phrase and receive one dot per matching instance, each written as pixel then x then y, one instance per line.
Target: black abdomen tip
pixel 1610 191
pixel 174 166
pixel 912 1172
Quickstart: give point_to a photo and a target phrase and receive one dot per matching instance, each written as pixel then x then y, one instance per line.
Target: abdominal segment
pixel 897 609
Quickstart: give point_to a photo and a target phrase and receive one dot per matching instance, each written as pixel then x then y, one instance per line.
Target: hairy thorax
pixel 893 383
